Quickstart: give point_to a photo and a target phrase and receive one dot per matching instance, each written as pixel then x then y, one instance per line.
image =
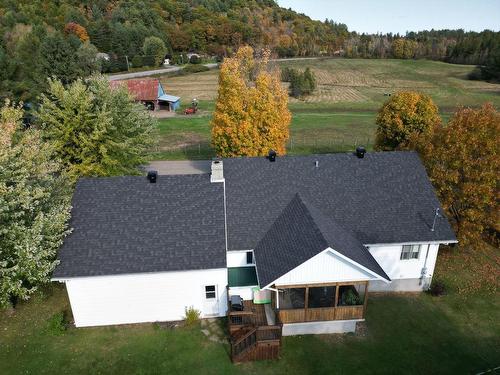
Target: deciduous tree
pixel 78 30
pixel 403 116
pixel 251 113
pixel 463 162
pixel 154 50
pixel 34 208
pixel 95 130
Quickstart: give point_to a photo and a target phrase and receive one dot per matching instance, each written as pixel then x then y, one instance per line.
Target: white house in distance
pixel 282 245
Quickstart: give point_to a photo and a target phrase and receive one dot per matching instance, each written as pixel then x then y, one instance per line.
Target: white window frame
pixel 410 252
pixel 209 292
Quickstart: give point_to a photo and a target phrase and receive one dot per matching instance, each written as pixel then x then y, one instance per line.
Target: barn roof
pixel 169 98
pixel 141 89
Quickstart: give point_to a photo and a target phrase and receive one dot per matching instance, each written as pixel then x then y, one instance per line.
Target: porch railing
pixel 321 314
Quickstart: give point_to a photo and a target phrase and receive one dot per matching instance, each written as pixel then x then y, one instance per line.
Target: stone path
pixel 212 329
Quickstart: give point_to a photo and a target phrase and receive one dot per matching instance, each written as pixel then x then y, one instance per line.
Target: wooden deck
pixel 251 337
pixel 258 311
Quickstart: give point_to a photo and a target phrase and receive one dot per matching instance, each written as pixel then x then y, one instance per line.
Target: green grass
pixel 188 137
pixel 406 334
pixel 447 84
pixel 340 115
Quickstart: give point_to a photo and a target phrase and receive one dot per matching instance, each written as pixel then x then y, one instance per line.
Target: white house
pixel 301 239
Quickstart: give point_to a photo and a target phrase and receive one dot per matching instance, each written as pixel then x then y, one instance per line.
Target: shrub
pixel 195 68
pixel 192 316
pixel 351 299
pixel 56 324
pixel 476 74
pixel 195 60
pixel 136 61
pixel 437 288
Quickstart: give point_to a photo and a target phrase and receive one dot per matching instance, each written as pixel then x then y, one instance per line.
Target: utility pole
pixel 128 67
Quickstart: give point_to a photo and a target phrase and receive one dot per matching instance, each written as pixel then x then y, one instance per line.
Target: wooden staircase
pixel 251 338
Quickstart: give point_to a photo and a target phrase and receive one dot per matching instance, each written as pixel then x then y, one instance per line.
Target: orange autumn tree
pixel 463 162
pixel 405 115
pixel 251 113
pixel 78 30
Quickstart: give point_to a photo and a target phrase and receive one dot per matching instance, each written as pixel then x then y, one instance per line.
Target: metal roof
pixel 141 89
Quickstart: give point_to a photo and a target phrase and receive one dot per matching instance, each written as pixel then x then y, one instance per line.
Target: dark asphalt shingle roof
pixel 386 197
pixel 128 225
pixel 299 233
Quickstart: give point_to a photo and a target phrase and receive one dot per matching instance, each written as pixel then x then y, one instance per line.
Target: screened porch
pixel 321 302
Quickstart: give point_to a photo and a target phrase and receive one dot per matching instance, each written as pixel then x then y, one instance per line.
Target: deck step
pixel 270 315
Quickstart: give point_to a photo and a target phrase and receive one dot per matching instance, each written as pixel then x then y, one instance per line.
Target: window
pixel 249 257
pixel 292 298
pixel 410 252
pixel 323 296
pixel 351 295
pixel 210 292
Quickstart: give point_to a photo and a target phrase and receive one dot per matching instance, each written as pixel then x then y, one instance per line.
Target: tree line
pixel 62 38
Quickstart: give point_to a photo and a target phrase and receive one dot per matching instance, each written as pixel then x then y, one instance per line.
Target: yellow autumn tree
pixel 251 112
pixel 404 116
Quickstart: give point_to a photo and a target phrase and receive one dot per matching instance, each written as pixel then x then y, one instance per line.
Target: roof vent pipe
pixel 152 176
pixel 272 155
pixel 316 164
pixel 360 152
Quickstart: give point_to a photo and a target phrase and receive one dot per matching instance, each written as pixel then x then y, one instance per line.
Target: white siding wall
pixel 150 297
pixel 244 292
pixel 389 259
pixel 323 268
pixel 237 258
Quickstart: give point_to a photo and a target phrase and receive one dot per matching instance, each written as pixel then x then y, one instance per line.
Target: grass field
pixel 405 334
pixel 339 115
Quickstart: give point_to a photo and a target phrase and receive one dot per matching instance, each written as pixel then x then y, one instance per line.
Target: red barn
pixel 150 92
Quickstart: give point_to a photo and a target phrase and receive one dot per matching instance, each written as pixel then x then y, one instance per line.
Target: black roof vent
pixel 360 152
pixel 152 175
pixel 272 155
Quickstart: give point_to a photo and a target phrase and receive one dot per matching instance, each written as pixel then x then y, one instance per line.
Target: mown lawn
pixel 339 115
pixel 327 130
pixel 458 333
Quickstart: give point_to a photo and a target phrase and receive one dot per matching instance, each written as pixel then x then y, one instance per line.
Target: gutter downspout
pixel 424 269
pixel 277 297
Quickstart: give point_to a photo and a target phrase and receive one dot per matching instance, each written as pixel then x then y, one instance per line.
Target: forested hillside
pixel 61 38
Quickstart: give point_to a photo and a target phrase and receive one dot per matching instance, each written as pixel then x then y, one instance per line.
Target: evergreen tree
pixel 59 58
